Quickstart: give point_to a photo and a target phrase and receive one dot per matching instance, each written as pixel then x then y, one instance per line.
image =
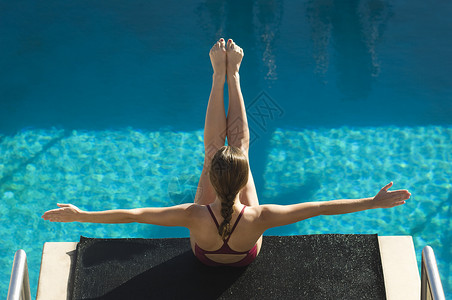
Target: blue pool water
pixel 102 105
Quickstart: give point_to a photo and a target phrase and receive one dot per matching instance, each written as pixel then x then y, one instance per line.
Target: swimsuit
pixel 225 249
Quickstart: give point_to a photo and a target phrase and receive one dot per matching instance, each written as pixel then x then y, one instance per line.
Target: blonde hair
pixel 228 175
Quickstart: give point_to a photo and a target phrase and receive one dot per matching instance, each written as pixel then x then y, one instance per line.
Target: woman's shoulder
pixel 253 213
pixel 197 211
pixel 194 208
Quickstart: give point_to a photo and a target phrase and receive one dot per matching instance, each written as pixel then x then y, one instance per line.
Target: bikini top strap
pixel 235 224
pixel 213 216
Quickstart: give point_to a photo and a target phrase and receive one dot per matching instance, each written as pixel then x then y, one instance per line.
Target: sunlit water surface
pixel 102 105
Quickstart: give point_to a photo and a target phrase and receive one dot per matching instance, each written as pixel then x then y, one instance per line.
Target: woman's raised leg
pixel 215 123
pixel 238 133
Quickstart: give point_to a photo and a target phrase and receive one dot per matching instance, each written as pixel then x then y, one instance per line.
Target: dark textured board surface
pixel 326 266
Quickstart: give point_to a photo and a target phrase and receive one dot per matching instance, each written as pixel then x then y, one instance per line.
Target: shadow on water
pixel 7 177
pixel 286 196
pixel 352 28
pixel 302 193
pixel 416 230
pixel 232 19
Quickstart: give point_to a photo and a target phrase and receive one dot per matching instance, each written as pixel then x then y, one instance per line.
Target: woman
pixel 226 222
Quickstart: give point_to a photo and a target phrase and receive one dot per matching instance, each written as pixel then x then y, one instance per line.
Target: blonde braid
pixel 226 212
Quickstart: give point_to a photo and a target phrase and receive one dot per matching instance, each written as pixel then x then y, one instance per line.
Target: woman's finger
pixel 402 194
pixel 386 187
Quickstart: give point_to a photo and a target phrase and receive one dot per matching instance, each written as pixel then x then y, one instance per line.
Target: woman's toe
pixel 222 43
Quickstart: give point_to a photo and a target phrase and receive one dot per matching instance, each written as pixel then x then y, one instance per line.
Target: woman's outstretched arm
pixel 179 215
pixel 279 215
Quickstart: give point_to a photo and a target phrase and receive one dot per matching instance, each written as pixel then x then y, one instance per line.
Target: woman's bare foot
pixel 218 58
pixel 234 58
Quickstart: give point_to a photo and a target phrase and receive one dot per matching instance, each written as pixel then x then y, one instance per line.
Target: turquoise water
pixel 130 168
pixel 102 105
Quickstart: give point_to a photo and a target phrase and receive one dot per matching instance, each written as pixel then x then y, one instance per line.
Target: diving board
pixel 398 264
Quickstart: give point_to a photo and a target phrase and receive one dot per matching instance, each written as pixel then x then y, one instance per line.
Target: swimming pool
pixel 102 105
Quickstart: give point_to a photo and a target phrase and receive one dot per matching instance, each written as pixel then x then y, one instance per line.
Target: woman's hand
pixel 387 199
pixel 66 213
